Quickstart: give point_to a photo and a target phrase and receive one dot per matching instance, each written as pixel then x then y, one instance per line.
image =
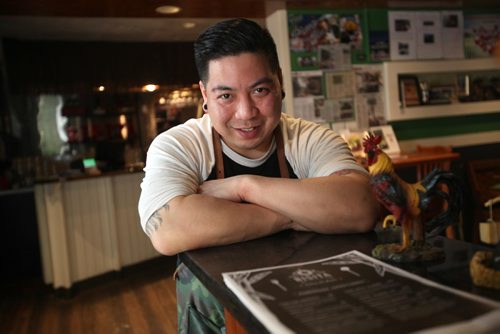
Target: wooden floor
pixel 140 299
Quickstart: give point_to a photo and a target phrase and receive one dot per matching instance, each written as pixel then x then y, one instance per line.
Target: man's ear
pixel 280 79
pixel 203 91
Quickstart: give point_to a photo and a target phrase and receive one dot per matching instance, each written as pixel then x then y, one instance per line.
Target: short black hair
pixel 231 38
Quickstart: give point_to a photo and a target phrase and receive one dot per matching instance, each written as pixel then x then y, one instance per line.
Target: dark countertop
pixel 18 191
pixel 293 247
pixel 82 176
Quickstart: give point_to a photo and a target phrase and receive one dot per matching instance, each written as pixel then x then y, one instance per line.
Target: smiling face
pixel 244 102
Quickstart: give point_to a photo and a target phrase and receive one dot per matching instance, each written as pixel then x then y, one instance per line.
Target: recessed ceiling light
pixel 168 9
pixel 150 88
pixel 189 25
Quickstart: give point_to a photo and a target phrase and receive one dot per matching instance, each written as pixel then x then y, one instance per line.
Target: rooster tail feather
pixel 453 197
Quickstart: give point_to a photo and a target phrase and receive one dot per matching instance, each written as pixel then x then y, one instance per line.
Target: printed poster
pixel 339 110
pixel 307 83
pixel 481 32
pixel 452 33
pixel 369 98
pixel 334 57
pixel 307 32
pixel 370 110
pixel 429 39
pixel 310 108
pixel 402 35
pixel 339 84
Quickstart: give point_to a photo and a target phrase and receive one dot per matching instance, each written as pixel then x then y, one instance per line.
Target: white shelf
pixel 396 112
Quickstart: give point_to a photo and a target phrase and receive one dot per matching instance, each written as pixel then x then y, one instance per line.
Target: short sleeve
pixel 314 150
pixel 177 162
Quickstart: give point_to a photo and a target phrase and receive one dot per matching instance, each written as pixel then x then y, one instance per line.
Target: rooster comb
pixel 371 142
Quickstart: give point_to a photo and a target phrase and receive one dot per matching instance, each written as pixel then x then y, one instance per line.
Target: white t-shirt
pixel 182 158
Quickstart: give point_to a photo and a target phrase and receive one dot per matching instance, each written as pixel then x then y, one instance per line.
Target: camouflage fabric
pixel 198 312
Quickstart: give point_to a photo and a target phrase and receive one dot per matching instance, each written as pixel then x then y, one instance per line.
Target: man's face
pixel 244 102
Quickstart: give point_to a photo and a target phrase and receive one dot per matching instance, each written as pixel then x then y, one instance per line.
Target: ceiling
pixel 137 20
pixel 117 20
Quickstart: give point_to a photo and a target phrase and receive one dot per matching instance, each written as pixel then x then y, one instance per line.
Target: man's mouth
pixel 248 132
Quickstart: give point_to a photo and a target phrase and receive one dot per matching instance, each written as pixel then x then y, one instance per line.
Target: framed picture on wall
pixel 389 143
pixel 409 91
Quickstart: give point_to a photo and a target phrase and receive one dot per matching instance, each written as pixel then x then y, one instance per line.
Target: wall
pixel 436 128
pixel 459 131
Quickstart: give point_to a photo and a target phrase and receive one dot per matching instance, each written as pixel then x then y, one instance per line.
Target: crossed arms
pixel 247 207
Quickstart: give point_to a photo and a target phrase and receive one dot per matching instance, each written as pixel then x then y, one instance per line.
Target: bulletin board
pixel 333 81
pixel 311 32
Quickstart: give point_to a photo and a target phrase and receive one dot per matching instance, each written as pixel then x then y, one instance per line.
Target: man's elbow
pixel 164 246
pixel 367 218
pixel 365 224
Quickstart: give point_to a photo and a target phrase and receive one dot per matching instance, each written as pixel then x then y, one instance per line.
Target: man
pixel 244 170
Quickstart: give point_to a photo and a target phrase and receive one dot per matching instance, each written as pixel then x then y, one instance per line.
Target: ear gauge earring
pixel 205 107
pixel 282 94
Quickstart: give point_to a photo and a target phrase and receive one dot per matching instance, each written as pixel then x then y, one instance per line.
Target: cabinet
pixel 441 88
pixel 102 116
pixel 105 126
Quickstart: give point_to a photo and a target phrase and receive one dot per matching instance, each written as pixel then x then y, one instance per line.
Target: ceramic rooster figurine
pixel 407 202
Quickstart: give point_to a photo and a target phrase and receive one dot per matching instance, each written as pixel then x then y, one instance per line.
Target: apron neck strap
pixel 280 150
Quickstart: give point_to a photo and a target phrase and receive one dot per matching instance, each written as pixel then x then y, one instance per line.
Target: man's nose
pixel 246 108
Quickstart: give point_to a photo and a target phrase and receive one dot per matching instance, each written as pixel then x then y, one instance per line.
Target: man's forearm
pixel 195 221
pixel 332 204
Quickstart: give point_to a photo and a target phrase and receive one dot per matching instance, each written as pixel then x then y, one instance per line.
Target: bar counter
pixel 294 247
pixel 89 225
pixel 77 175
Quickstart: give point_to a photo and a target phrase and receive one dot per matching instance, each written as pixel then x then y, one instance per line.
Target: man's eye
pixel 225 96
pixel 262 90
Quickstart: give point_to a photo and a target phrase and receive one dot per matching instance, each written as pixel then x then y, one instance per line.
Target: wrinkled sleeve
pixel 173 168
pixel 317 151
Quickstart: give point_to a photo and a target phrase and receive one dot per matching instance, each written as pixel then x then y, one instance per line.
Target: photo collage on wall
pixel 331 84
pixel 481 35
pixel 426 34
pixel 324 40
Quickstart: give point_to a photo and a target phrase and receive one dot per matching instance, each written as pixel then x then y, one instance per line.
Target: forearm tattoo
pixel 154 222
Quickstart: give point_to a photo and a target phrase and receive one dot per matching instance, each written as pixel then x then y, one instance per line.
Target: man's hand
pixel 227 188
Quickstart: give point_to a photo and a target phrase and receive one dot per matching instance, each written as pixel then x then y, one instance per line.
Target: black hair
pixel 231 38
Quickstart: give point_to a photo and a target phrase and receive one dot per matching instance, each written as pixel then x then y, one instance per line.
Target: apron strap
pixel 219 161
pixel 280 151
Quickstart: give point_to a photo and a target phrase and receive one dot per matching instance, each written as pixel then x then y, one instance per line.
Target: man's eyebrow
pixel 221 88
pixel 265 80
